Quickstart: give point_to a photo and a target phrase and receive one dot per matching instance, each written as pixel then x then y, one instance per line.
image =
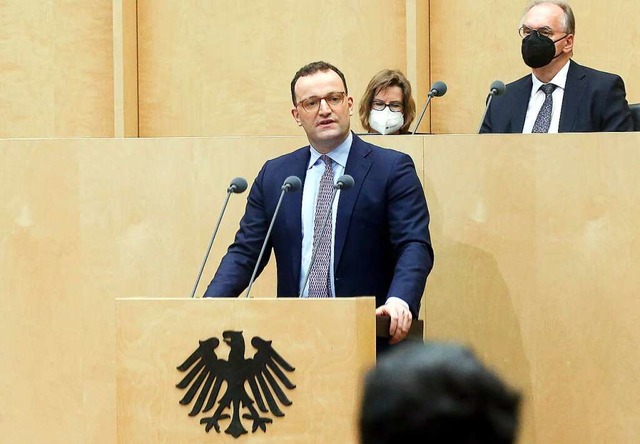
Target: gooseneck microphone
pixel 497 88
pixel 291 183
pixel 344 183
pixel 437 89
pixel 238 186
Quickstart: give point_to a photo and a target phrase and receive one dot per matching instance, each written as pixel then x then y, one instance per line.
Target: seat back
pixel 635 114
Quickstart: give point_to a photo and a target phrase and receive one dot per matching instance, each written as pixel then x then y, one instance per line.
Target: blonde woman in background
pixel 387 106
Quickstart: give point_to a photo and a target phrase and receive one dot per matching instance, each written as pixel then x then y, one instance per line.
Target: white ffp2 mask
pixel 385 121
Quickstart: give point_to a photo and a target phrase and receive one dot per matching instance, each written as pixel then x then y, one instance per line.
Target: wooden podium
pixel 330 343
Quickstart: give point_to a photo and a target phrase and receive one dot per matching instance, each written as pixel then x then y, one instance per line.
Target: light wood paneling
pixel 84 221
pixel 418 59
pixel 56 68
pixel 475 43
pixel 536 268
pixel 125 68
pixel 536 252
pixel 608 38
pixel 209 69
pixel 224 68
pixel 39 295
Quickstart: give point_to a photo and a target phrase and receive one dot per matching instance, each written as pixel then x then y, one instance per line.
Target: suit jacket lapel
pixel 521 97
pixel 292 208
pixel 358 166
pixel 573 92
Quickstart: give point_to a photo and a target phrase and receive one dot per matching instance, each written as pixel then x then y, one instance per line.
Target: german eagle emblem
pixel 263 375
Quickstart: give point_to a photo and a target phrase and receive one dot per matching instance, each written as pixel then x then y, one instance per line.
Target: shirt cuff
pixel 398 300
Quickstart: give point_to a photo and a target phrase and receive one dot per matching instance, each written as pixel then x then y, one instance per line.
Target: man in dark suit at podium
pixel 377 240
pixel 560 95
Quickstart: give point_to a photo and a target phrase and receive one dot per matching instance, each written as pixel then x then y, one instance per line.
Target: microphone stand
pixel 423 111
pixel 345 183
pixel 285 188
pixel 232 189
pixel 486 109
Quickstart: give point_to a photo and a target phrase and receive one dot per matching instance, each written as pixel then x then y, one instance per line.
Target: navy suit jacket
pixel 593 101
pixel 382 242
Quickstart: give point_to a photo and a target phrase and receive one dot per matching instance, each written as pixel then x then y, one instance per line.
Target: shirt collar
pixel 560 79
pixel 339 154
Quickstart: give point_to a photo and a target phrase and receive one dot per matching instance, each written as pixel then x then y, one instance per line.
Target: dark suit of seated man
pixel 377 242
pixel 560 95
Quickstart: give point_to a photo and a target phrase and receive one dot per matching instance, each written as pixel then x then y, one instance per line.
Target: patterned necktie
pixel 543 121
pixel 319 277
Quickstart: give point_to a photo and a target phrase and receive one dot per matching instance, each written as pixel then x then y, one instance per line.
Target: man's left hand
pixel 400 320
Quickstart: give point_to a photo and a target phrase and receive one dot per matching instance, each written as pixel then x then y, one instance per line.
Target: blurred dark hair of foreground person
pixel 436 393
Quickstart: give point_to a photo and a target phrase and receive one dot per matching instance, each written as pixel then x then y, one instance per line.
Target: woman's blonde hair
pixel 382 80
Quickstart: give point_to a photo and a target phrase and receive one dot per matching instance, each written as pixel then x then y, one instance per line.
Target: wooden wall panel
pixel 224 68
pixel 475 43
pixel 418 59
pixel 536 253
pixel 56 68
pixel 49 375
pixel 598 26
pixel 70 69
pixel 83 221
pixel 536 259
pixel 125 68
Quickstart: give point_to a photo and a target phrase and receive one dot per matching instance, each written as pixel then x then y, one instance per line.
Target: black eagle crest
pixel 263 375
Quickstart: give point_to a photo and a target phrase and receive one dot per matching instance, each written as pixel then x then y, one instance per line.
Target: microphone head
pixel 345 182
pixel 238 185
pixel 438 89
pixel 292 183
pixel 497 88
